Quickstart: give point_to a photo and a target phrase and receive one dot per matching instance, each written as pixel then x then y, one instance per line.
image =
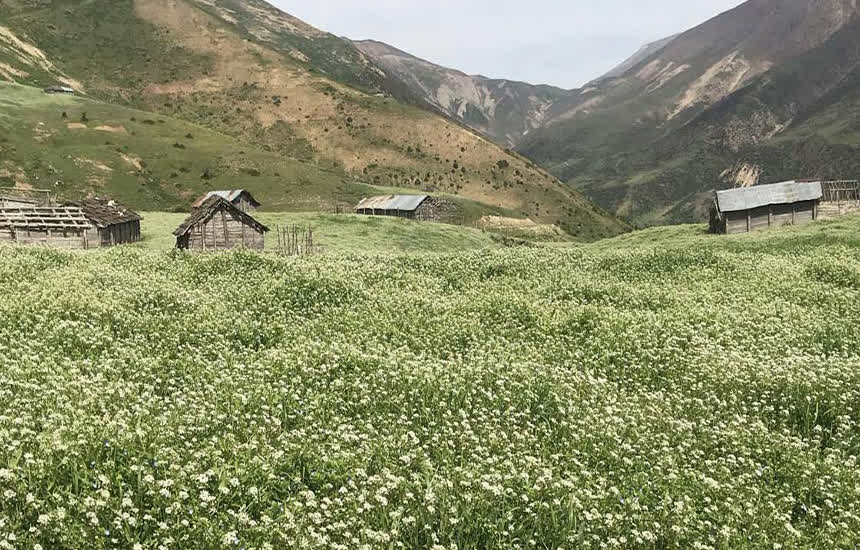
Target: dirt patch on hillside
pixel 29 54
pixel 10 73
pixel 720 80
pixel 111 129
pixel 80 161
pixel 14 172
pixel 41 133
pixel 134 162
pixel 76 126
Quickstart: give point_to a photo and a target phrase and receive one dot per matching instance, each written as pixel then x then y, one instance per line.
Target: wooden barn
pixel 112 222
pixel 56 227
pixel 764 206
pixel 240 198
pixel 413 207
pixel 219 225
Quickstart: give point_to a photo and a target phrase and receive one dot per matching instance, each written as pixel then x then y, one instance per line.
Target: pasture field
pixel 340 233
pixel 605 396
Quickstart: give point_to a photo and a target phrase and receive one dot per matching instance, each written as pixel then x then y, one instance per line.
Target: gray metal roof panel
pixel 405 203
pixel 747 198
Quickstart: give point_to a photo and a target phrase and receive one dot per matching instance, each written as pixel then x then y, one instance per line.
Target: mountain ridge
pixel 247 70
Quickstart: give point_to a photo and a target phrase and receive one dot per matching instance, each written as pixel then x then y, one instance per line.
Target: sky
pixel 561 42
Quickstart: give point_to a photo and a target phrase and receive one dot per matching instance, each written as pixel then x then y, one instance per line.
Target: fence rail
pixel 840 191
pixel 296 241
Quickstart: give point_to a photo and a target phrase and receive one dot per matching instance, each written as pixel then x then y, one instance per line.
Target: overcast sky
pixel 560 42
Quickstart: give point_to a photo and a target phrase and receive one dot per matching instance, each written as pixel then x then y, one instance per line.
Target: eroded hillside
pixel 252 72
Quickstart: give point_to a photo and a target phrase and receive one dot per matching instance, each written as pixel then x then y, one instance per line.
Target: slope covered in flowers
pixel 508 399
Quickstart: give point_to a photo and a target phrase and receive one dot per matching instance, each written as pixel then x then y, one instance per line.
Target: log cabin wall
pixel 224 231
pixel 69 239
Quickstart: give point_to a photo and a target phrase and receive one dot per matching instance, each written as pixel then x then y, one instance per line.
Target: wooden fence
pixel 296 241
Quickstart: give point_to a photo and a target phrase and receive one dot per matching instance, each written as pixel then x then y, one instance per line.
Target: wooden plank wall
pixel 771 216
pixel 71 239
pixel 224 231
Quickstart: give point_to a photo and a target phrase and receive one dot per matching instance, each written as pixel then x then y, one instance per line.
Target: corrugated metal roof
pixel 231 195
pixel 787 192
pixel 405 203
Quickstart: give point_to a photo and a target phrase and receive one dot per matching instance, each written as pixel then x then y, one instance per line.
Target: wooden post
pixel 203 231
pixel 770 216
pixel 226 234
pixel 815 211
pixel 749 222
pixel 793 210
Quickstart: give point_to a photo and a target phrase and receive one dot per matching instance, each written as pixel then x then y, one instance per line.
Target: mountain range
pixel 306 119
pixel 763 92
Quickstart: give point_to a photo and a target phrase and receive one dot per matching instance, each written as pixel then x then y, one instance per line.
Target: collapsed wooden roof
pixel 105 212
pixel 212 206
pixel 41 218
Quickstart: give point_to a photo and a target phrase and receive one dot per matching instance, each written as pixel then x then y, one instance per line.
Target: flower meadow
pixel 531 398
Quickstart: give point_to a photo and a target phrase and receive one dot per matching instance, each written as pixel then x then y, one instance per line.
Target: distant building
pixel 59 90
pixel 240 198
pixel 413 207
pixel 114 223
pixel 56 227
pixel 763 206
pixel 216 224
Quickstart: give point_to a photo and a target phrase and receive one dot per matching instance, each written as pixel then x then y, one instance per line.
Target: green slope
pixel 282 89
pixel 155 162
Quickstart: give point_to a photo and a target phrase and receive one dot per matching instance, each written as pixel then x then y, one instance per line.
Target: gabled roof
pixel 788 192
pixel 405 203
pixel 231 196
pixel 209 208
pixel 105 212
pixel 40 218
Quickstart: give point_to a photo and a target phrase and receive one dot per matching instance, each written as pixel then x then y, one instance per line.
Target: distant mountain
pixel 766 91
pixel 272 84
pixel 762 92
pixel 644 52
pixel 504 110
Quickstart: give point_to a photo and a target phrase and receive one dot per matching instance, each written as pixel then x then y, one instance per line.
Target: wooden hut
pixel 240 198
pixel 218 225
pixel 56 227
pixel 413 207
pixel 763 206
pixel 112 222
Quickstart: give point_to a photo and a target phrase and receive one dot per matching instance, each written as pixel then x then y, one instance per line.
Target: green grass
pixel 843 231
pixel 666 390
pixel 342 233
pixel 173 154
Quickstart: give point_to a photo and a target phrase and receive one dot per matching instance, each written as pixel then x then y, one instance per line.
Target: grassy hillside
pixel 343 233
pixel 269 81
pixel 155 162
pixel 662 398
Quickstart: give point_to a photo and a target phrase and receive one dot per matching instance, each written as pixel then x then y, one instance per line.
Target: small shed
pixel 240 198
pixel 413 207
pixel 113 223
pixel 59 90
pixel 219 225
pixel 763 206
pixel 57 227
